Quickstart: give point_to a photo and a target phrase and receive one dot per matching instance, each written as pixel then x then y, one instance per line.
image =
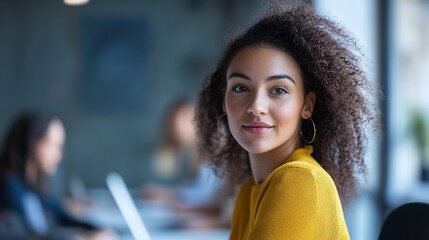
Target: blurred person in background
pixel 30 155
pixel 196 188
pixel 175 160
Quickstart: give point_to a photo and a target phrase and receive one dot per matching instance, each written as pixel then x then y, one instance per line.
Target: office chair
pixel 409 221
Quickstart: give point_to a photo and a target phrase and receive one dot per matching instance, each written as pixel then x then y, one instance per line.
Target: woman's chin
pixel 256 148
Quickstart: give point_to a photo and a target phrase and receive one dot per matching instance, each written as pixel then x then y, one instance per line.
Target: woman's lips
pixel 257 127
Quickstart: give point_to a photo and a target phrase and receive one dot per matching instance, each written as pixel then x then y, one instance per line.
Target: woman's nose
pixel 257 105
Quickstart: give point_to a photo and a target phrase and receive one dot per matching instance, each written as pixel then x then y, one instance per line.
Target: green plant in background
pixel 420 131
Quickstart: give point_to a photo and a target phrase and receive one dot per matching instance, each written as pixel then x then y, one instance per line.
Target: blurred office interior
pixel 111 68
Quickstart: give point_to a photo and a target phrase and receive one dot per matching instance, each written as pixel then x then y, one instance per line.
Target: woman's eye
pixel 239 89
pixel 278 91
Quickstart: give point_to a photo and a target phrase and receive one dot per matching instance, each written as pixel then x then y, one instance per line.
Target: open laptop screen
pixel 129 211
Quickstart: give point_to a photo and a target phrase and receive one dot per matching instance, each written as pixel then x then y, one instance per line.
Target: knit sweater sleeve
pixel 294 206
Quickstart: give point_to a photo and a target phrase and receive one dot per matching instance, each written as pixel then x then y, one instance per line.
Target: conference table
pixel 160 221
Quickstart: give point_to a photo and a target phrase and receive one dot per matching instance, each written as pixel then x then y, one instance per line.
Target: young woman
pixel 285 116
pixel 176 160
pixel 30 154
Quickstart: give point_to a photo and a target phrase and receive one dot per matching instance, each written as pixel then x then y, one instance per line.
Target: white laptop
pixel 126 205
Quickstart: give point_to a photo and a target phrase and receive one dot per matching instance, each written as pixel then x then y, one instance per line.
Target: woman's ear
pixel 309 102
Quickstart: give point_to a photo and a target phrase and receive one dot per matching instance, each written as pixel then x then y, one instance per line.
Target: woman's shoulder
pixel 303 183
pixel 13 191
pixel 11 181
pixel 302 171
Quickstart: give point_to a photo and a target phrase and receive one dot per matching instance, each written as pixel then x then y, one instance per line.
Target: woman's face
pixel 49 149
pixel 264 99
pixel 182 125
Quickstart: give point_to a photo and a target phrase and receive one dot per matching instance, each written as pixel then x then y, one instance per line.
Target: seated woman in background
pixel 30 155
pixel 189 183
pixel 175 159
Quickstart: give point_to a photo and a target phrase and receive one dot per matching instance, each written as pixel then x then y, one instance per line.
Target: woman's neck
pixel 263 164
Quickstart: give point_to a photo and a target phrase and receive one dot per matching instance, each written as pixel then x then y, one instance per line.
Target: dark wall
pixel 109 69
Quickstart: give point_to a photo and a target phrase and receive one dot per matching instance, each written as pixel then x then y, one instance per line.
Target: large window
pixel 408 105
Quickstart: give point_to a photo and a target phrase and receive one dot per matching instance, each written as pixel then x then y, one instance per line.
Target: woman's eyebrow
pixel 281 76
pixel 239 75
pixel 274 77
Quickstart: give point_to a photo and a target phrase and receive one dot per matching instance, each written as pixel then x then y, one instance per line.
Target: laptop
pixel 127 207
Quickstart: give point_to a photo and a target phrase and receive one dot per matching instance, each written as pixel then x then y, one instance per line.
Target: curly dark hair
pixel 344 112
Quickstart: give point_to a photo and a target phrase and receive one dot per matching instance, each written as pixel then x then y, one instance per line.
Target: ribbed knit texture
pixel 298 200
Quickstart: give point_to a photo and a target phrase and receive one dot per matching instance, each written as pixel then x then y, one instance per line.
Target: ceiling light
pixel 76 2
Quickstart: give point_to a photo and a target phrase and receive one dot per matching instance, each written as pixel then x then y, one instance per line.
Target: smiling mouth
pixel 257 129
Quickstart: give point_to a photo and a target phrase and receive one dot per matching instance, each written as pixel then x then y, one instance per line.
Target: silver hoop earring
pixel 314 133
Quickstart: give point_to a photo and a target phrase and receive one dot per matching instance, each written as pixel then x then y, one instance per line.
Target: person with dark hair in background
pixel 30 154
pixel 291 73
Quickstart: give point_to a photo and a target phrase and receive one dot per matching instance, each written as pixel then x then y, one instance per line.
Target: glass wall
pixel 408 105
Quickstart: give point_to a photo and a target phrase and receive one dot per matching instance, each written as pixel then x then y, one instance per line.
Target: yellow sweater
pixel 298 200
